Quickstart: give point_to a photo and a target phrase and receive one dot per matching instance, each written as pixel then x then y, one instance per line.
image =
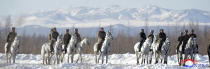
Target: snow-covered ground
pixel 116 61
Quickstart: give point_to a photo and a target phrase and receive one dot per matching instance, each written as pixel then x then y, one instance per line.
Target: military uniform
pixel 78 38
pixel 53 38
pixel 10 38
pixel 162 38
pixel 193 35
pixel 66 39
pixel 101 38
pixel 180 39
pixel 142 39
pixel 185 40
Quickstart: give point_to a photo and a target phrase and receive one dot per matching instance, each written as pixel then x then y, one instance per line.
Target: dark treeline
pixel 122 43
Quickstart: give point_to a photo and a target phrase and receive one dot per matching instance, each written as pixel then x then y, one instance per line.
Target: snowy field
pixel 116 61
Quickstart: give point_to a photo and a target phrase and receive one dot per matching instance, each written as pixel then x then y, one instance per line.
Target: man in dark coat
pixel 161 38
pixel 77 35
pixel 10 38
pixel 180 39
pixel 53 38
pixel 185 40
pixel 142 38
pixel 192 34
pixel 66 39
pixel 101 38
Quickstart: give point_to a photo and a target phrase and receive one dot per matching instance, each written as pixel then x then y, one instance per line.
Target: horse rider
pixel 66 39
pixel 53 38
pixel 180 39
pixel 192 34
pixel 161 38
pixel 185 40
pixel 101 38
pixel 151 34
pixel 77 35
pixel 10 38
pixel 142 38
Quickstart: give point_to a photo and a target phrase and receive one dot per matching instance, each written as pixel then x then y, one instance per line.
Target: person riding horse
pixel 192 34
pixel 101 38
pixel 10 38
pixel 142 38
pixel 66 39
pixel 180 39
pixel 77 35
pixel 185 40
pixel 53 38
pixel 161 38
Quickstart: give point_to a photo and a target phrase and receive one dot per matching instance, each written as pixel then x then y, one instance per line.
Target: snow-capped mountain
pixel 151 13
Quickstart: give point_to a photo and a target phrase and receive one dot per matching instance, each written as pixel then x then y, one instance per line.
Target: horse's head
pixel 86 41
pixel 155 38
pixel 149 40
pixel 109 35
pixel 58 40
pixel 73 38
pixel 16 41
pixel 167 41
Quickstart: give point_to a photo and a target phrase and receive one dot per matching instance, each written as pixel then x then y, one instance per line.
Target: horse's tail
pixel 42 50
pixel 95 47
pixel 5 47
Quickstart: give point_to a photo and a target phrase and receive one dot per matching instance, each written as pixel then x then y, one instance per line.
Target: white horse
pixel 165 51
pixel 145 49
pixel 71 49
pixel 155 46
pixel 79 50
pixel 47 55
pixel 190 48
pixel 104 49
pixel 58 51
pixel 11 54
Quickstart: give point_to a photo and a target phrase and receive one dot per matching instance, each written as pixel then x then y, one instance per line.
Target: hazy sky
pixel 13 7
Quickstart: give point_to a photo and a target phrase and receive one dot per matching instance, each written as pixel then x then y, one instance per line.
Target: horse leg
pixel 137 58
pixel 78 58
pixel 102 58
pixel 81 57
pixel 13 57
pixel 72 57
pixel 106 58
pixel 62 57
pixel 156 58
pixel 95 53
pixel 166 59
pixel 150 56
pixel 7 57
pixel 100 54
pixel 68 58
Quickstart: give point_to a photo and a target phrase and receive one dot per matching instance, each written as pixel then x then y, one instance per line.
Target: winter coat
pixel 101 36
pixel 11 36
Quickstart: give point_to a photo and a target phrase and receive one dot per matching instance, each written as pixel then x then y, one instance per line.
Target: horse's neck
pixel 106 42
pixel 14 43
pixel 82 43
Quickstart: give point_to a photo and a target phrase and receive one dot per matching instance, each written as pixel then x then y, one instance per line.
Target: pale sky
pixel 15 7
